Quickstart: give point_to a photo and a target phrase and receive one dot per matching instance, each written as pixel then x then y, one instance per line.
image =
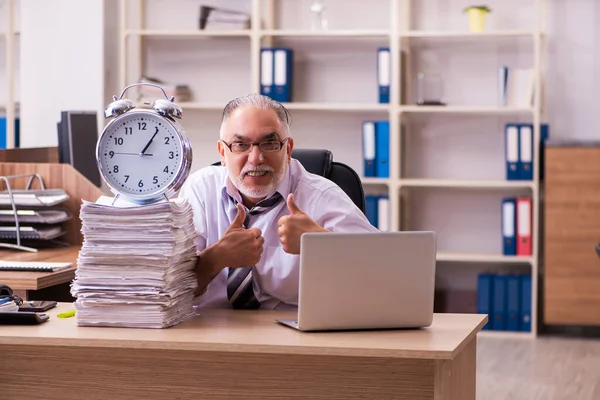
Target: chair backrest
pixel 320 162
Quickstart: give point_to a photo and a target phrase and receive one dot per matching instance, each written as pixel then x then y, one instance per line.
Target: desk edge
pixel 228 347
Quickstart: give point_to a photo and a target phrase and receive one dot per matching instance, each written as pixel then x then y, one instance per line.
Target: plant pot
pixel 476 19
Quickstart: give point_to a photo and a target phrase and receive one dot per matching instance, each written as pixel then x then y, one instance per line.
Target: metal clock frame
pixel 168 111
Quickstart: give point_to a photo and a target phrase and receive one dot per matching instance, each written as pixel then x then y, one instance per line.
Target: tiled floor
pixel 546 368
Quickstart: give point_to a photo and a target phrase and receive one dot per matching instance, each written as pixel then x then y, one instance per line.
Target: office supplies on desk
pixel 7 304
pixel 36 216
pixel 67 314
pixel 22 318
pixel 31 198
pixel 35 266
pixel 379 280
pixel 136 265
pixel 37 305
pixel 31 232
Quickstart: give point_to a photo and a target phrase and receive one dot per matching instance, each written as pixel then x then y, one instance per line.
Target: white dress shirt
pixel 276 274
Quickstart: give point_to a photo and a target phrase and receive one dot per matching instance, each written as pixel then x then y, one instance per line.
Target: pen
pixel 66 314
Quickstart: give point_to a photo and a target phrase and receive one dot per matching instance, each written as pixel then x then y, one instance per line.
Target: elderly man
pixel 251 214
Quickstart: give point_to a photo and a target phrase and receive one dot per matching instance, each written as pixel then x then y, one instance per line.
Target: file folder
pixel 525 152
pixel 383 74
pixel 484 298
pixel 509 222
pixel 3 133
pixel 499 302
pixel 282 74
pixel 512 151
pixel 368 133
pixel 382 149
pixel 266 72
pixel 383 213
pixel 526 303
pixel 513 303
pixel 544 136
pixel 524 226
pixel 371 209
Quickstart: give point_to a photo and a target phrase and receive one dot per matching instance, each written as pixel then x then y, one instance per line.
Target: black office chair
pixel 320 162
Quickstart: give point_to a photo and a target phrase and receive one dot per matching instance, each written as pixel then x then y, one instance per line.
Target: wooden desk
pixel 227 354
pixel 24 283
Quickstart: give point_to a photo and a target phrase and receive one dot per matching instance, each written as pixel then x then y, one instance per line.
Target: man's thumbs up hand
pixel 292 206
pixel 240 247
pixel 291 227
pixel 238 221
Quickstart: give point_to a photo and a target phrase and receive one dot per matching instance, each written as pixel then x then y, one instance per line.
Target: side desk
pixel 229 354
pixel 41 285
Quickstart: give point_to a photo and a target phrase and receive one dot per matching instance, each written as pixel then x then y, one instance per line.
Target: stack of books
pixel 136 267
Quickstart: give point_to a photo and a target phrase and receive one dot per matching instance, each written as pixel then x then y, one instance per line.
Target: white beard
pixel 258 192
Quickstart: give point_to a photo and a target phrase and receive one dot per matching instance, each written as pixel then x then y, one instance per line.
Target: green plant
pixel 481 8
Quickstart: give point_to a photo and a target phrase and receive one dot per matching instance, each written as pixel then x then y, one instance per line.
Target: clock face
pixel 140 154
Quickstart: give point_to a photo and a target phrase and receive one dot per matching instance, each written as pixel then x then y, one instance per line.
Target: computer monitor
pixel 77 138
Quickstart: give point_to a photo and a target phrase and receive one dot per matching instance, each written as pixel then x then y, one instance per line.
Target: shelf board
pixel 483 258
pixel 475 184
pixel 465 35
pixel 186 33
pixel 464 109
pixel 291 106
pixel 506 334
pixel 191 105
pixel 325 33
pixel 374 181
pixel 337 106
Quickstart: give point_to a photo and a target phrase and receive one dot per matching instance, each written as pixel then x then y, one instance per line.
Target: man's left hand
pixel 291 227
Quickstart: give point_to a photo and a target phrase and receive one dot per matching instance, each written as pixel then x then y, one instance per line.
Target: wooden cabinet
pixel 571 233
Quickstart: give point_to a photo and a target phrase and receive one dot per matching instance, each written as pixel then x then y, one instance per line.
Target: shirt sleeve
pixel 335 211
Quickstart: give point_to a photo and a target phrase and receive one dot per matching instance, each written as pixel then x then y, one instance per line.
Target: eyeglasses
pixel 245 147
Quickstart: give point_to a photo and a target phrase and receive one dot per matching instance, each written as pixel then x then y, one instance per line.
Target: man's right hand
pixel 240 247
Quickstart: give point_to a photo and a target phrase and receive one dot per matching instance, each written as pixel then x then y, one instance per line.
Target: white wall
pixel 62 64
pixel 573 65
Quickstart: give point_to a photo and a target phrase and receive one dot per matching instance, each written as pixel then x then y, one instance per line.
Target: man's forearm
pixel 208 267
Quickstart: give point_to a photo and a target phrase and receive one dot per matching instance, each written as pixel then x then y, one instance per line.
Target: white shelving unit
pixel 380 23
pixel 9 36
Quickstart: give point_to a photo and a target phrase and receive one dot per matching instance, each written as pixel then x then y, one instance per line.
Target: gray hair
pixel 258 101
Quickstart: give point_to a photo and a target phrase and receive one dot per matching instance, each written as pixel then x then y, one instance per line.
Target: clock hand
pixel 149 142
pixel 133 154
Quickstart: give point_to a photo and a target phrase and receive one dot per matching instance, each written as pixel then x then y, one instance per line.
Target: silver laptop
pixel 375 280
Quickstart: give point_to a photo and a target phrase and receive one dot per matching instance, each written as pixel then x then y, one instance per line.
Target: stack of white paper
pixel 136 265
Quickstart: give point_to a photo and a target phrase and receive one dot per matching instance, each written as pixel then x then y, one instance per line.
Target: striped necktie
pixel 239 280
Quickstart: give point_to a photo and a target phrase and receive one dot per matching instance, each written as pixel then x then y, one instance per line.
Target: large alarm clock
pixel 144 155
